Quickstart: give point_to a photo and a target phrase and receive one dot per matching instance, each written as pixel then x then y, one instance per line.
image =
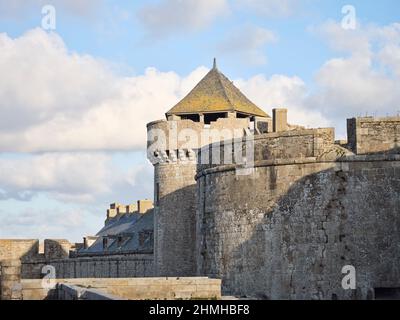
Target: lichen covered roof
pixel 216 93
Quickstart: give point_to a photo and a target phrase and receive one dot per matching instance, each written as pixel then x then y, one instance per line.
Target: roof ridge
pixel 215 93
pixel 224 89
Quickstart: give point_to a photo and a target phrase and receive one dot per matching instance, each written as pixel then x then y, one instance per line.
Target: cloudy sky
pixel 74 101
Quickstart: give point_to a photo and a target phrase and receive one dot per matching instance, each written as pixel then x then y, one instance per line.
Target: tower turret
pixel 213 111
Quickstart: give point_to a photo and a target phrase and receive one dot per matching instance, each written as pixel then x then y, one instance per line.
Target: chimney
pixel 131 208
pixel 279 120
pixel 122 209
pixel 111 213
pixel 88 241
pixel 144 205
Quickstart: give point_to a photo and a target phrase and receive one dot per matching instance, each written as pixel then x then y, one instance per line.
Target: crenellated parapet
pixel 118 210
pixel 173 156
pixel 374 135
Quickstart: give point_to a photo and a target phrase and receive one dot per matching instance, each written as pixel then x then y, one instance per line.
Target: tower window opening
pixel 212 117
pixel 193 117
pixel 241 115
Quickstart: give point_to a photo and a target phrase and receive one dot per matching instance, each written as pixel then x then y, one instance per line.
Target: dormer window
pixel 105 243
pixel 120 240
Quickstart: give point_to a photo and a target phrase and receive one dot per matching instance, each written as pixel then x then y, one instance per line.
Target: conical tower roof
pixel 215 93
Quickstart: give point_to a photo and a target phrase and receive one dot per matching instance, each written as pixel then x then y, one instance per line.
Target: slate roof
pixel 128 227
pixel 215 93
pixel 119 224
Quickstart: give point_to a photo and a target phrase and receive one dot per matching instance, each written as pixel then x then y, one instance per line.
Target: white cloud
pixel 281 91
pixel 362 79
pixel 87 178
pixel 170 16
pixel 166 17
pixel 66 194
pixel 365 78
pixel 79 176
pixel 248 44
pixel 55 100
pixel 40 78
pixel 46 224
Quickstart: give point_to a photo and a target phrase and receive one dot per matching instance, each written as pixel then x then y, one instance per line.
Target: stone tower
pixel 214 110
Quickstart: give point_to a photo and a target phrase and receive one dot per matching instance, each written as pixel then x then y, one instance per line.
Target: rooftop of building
pixel 128 228
pixel 213 94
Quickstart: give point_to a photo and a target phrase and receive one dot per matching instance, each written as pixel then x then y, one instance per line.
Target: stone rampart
pixel 286 230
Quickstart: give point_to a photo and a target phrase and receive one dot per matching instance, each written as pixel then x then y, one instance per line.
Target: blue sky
pixel 74 101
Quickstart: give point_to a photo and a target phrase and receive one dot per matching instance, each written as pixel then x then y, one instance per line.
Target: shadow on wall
pixel 56 249
pixel 17 248
pixel 34 261
pixel 271 241
pixel 175 233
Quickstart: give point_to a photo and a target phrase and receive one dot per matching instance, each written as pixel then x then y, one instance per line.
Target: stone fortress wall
pixel 56 253
pixel 122 266
pixel 175 166
pixel 307 208
pixel 284 225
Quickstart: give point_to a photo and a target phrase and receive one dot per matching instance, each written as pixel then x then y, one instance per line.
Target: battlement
pixel 57 249
pixel 285 145
pixel 365 136
pixel 178 139
pixel 374 135
pixel 118 210
pixel 29 250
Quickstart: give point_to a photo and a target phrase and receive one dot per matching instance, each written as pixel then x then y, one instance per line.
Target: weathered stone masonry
pixel 285 224
pixel 286 230
pixel 136 265
pixel 291 237
pixel 56 254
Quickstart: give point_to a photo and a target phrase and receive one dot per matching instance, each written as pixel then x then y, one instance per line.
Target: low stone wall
pixel 18 249
pixel 128 288
pixel 139 265
pixel 71 292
